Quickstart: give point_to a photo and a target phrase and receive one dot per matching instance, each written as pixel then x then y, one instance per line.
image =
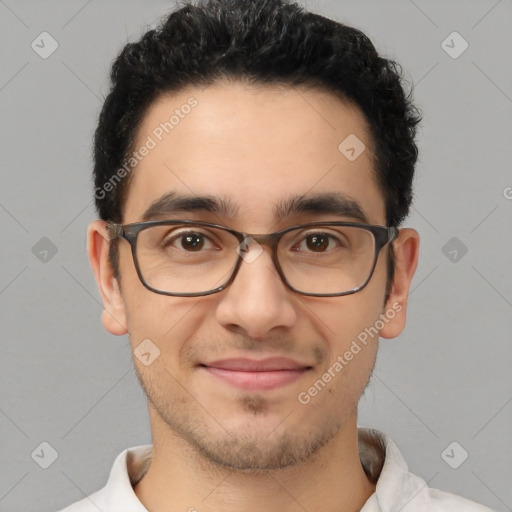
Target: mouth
pixel 254 375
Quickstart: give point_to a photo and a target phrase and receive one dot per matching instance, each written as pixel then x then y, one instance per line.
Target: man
pixel 253 164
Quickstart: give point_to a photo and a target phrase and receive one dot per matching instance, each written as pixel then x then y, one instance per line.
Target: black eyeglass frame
pixel 381 234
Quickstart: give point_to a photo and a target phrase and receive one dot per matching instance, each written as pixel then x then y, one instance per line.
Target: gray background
pixel 65 381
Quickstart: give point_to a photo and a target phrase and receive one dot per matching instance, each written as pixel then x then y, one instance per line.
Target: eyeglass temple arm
pixel 114 230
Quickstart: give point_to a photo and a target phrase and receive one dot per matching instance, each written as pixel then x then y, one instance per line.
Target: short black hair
pixel 261 42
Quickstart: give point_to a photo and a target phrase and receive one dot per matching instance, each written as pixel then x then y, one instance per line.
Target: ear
pixel 406 248
pixel 113 317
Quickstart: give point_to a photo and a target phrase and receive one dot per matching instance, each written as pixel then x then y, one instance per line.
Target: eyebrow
pixel 333 203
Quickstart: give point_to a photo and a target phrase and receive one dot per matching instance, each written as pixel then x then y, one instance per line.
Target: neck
pixel 332 480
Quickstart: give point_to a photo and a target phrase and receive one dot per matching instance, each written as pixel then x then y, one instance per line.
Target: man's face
pixel 255 147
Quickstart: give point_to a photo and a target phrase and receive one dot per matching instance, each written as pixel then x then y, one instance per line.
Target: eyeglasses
pixel 188 258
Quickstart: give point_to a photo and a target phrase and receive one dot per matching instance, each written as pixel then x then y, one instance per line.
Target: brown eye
pixel 318 242
pixel 192 242
pixel 188 241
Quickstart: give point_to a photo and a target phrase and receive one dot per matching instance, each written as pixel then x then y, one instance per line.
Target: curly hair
pixel 262 42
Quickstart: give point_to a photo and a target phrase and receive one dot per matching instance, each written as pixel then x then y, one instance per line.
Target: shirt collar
pixel 379 456
pixel 396 486
pixel 128 468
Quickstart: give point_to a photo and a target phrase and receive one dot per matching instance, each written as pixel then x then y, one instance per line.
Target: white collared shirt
pixel 397 489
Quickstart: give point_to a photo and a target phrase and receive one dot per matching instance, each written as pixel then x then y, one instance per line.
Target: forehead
pixel 253 146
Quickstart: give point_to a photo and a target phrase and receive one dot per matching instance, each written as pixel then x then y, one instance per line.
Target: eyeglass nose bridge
pixel 267 239
pixel 271 240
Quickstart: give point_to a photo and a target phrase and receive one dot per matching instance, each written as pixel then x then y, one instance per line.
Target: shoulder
pixel 118 494
pixel 414 495
pixel 399 489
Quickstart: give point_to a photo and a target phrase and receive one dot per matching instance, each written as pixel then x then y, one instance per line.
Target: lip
pixel 254 365
pixel 256 375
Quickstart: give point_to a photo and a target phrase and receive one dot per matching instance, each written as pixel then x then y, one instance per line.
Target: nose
pixel 257 301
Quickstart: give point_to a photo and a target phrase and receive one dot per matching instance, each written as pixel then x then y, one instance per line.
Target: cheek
pixel 350 327
pixel 168 322
pixel 346 318
pixel 337 387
